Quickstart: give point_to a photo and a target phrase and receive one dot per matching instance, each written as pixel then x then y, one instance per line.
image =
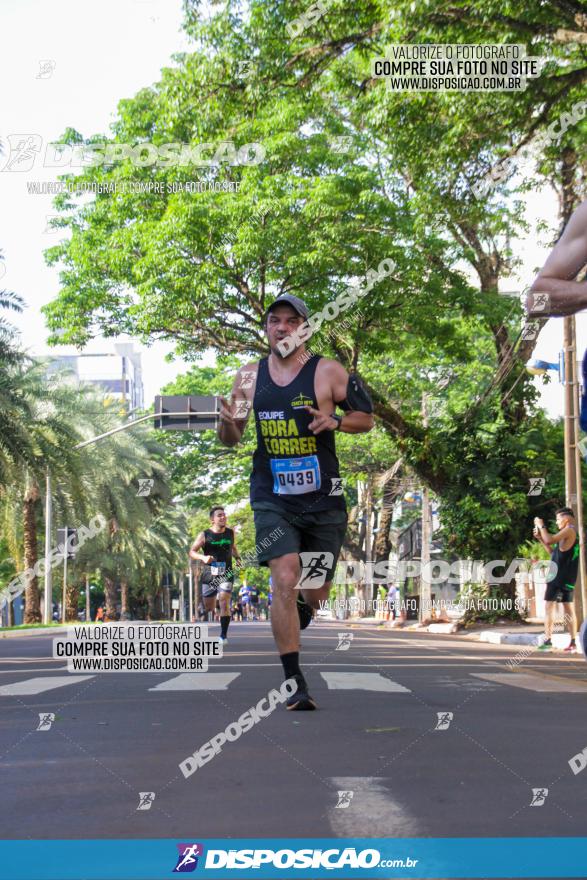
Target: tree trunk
pixel 71 601
pixel 32 612
pixel 111 594
pixel 568 197
pixel 151 606
pixel 351 543
pixel 124 598
pixel 383 540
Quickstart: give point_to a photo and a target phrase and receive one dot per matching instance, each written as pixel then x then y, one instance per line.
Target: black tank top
pixel 218 545
pixel 567 562
pixel 292 468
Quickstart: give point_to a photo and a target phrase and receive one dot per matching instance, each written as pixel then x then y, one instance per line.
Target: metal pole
pixel 368 544
pixel 64 575
pixel 581 585
pixel 123 380
pixel 137 422
pixel 425 592
pixel 181 598
pixel 88 603
pixel 191 591
pixel 48 597
pixel 569 357
pixel 197 587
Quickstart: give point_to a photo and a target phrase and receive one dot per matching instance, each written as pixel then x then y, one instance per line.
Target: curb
pixel 16 633
pixel 559 640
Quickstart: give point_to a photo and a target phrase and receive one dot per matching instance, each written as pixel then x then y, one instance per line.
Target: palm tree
pixel 113 475
pixel 12 417
pixel 50 444
pixel 42 419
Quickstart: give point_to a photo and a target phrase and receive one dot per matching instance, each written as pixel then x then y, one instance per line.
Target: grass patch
pixel 47 625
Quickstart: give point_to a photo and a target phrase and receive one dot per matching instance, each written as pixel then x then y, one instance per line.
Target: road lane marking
pixel 535 682
pixel 39 685
pixel 372 810
pixel 198 681
pixel 28 671
pixel 362 681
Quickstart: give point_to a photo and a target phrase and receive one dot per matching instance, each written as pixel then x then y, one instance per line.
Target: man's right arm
pixel 566 260
pixel 196 547
pixel 539 538
pixel 235 412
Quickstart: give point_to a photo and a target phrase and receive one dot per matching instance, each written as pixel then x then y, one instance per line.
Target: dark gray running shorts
pixel 554 590
pixel 214 587
pixel 279 532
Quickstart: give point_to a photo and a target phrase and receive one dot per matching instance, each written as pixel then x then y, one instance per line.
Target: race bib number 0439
pixel 295 476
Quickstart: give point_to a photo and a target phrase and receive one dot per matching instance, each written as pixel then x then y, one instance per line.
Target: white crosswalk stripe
pixel 533 682
pixel 40 685
pixel 198 681
pixel 362 681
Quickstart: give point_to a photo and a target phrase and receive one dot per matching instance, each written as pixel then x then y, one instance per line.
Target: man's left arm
pixel 545 535
pixel 348 393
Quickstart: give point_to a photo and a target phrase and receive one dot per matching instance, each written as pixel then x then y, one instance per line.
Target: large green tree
pixel 199 268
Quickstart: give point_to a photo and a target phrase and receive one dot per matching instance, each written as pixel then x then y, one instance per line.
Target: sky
pixel 76 63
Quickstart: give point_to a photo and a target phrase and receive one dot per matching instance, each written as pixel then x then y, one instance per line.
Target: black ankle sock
pixel 224 621
pixel 291 664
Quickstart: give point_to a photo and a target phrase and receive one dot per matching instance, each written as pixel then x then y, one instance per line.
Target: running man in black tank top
pixel 296 493
pixel 215 548
pixel 566 558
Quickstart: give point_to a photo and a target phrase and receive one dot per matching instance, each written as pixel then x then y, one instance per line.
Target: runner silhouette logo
pixel 539 795
pixel 187 860
pixel 315 568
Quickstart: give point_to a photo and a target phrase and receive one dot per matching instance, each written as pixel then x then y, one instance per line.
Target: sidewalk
pixel 529 633
pixel 525 634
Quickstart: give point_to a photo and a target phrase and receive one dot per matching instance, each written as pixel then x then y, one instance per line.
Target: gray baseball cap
pixel 295 302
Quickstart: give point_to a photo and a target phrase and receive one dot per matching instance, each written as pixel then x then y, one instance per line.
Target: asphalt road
pixel 117 735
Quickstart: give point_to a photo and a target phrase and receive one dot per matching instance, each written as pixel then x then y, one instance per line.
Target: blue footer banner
pixel 304 858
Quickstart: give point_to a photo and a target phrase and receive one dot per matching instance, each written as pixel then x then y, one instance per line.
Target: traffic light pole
pixel 64 597
pixel 128 425
pixel 48 597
